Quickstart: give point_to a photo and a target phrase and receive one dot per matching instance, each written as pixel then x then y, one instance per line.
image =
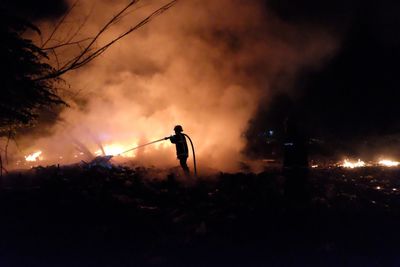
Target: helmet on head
pixel 178 128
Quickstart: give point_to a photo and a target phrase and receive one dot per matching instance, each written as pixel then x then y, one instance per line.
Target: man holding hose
pixel 182 151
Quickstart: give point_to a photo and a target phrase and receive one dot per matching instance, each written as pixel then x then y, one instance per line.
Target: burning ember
pixel 389 163
pixel 34 156
pixel 349 164
pixel 360 163
pixel 125 150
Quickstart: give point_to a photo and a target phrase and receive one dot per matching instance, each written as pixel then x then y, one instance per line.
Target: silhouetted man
pixel 182 151
pixel 295 152
pixel 295 161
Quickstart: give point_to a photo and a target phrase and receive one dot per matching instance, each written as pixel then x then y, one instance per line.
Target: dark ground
pixel 120 217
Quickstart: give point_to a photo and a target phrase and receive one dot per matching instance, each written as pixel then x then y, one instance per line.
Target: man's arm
pixel 172 138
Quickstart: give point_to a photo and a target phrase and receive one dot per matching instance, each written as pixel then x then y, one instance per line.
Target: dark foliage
pixel 22 94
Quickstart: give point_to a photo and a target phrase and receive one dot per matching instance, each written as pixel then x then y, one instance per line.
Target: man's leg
pixel 184 165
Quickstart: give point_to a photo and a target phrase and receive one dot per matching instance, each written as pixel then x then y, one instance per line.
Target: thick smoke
pixel 203 64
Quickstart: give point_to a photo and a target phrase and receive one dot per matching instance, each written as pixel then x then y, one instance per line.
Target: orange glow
pixel 388 163
pixel 116 149
pixel 148 82
pixel 34 156
pixel 353 164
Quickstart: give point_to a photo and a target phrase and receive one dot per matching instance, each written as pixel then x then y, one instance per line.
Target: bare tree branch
pixel 80 27
pixel 89 52
pixel 68 44
pixel 60 22
pixel 109 23
pixel 6 147
pixel 55 55
pixel 101 50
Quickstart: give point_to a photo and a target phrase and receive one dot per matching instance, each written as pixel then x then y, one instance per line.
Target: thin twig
pixel 105 27
pixel 67 44
pixel 80 27
pixel 60 22
pixel 88 53
pixel 55 55
pixel 101 50
pixel 6 147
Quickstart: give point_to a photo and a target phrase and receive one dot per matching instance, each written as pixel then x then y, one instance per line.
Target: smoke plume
pixel 204 64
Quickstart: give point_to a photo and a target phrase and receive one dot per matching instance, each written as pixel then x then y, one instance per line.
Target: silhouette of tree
pixel 21 92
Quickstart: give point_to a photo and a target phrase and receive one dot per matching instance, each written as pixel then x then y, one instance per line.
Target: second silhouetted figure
pixel 182 151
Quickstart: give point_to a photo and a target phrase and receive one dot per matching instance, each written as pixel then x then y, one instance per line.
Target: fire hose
pixel 163 139
pixel 141 146
pixel 194 155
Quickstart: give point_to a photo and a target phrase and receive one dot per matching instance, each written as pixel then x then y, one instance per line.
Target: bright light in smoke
pixel 349 164
pixel 34 156
pixel 388 163
pixel 116 149
pixel 140 88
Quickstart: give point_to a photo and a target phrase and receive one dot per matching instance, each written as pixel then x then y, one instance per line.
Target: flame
pixel 34 156
pixel 388 163
pixel 142 89
pixel 357 164
pixel 349 164
pixel 116 149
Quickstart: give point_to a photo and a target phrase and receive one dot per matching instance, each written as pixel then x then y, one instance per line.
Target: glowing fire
pixel 358 164
pixel 355 164
pixel 116 149
pixel 388 163
pixel 34 156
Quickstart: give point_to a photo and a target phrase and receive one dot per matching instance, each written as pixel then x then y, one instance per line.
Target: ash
pixel 119 216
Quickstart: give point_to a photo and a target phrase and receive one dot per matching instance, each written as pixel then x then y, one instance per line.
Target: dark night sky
pixel 36 9
pixel 356 93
